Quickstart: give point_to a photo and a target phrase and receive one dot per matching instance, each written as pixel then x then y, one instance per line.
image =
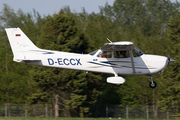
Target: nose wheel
pixel 152 84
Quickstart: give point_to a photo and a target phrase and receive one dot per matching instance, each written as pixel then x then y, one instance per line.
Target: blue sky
pixel 45 7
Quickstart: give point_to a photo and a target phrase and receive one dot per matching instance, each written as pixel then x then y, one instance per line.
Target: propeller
pixel 169 60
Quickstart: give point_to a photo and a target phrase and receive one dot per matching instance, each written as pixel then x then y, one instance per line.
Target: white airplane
pixel 118 58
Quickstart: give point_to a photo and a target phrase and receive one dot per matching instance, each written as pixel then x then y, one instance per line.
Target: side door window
pixel 121 54
pixel 105 54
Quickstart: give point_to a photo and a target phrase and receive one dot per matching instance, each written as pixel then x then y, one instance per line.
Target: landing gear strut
pixel 152 84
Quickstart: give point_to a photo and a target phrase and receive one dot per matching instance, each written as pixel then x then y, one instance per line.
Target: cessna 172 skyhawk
pixel 118 58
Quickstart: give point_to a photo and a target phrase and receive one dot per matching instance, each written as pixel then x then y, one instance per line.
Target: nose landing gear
pixel 152 84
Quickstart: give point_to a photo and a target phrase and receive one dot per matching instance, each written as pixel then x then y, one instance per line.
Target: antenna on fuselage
pixel 109 40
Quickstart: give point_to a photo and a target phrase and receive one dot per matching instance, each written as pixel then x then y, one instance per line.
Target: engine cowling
pixel 116 80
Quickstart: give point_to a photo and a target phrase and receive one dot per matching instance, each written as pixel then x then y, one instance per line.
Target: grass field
pixel 61 118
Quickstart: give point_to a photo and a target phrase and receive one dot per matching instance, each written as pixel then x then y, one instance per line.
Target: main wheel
pixel 152 84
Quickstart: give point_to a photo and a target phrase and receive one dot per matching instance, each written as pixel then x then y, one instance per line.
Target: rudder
pixel 20 44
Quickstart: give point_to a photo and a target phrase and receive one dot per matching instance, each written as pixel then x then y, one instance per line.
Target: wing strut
pixel 132 61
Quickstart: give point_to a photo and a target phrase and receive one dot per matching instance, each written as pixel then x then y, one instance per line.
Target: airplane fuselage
pixel 144 65
pixel 118 58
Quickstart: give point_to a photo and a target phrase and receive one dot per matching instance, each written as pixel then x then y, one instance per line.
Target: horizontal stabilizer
pixel 26 60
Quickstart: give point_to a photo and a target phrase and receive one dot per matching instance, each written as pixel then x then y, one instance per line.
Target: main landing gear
pixel 152 84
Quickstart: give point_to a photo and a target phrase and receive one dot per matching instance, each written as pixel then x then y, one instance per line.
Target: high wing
pixel 116 46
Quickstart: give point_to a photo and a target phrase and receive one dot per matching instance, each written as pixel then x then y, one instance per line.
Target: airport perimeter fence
pixel 24 110
pixel 109 111
pixel 142 112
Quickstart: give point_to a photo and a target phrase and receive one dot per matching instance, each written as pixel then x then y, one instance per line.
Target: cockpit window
pixel 105 54
pixel 138 51
pixel 121 54
pixel 94 52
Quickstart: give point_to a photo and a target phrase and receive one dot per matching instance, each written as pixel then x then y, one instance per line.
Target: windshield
pixel 138 51
pixel 94 52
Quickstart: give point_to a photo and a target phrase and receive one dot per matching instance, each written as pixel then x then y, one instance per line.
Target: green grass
pixel 62 118
pixel 49 118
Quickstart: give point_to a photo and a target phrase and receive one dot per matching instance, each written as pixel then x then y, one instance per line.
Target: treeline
pixel 153 26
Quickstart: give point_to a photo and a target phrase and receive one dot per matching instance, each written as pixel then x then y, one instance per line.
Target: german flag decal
pixel 18 35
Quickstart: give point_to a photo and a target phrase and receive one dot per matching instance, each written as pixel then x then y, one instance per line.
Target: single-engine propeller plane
pixel 118 58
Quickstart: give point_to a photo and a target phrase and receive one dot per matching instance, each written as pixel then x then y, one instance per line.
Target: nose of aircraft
pixel 169 59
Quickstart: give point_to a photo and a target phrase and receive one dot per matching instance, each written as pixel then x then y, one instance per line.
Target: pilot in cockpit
pixel 123 54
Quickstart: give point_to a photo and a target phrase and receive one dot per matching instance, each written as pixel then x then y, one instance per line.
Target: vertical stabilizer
pixel 21 45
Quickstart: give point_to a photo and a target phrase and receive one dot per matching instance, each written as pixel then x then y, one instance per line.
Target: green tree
pixel 15 85
pixel 70 91
pixel 171 94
